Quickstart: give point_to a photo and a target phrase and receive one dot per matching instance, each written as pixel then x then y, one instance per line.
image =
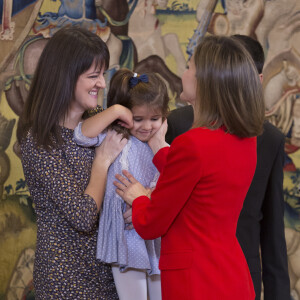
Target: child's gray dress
pixel 116 245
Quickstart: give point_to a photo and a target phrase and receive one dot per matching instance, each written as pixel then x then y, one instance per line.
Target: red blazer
pixel 205 176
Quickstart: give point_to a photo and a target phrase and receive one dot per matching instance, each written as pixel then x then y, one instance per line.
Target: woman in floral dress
pixel 66 181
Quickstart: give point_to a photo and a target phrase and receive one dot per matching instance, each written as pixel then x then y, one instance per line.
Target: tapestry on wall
pixel 152 35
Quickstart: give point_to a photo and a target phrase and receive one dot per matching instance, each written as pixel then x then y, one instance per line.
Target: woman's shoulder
pixel 66 133
pixel 30 146
pixel 27 140
pixel 198 134
pixel 190 141
pixel 211 134
pixel 210 139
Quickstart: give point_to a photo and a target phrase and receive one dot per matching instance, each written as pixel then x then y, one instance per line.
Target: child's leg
pixel 154 287
pixel 131 285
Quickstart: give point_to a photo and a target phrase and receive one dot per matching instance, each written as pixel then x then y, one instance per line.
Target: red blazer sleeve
pixel 160 158
pixel 152 218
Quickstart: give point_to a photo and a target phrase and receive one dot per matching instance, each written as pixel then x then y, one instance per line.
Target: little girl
pixel 145 99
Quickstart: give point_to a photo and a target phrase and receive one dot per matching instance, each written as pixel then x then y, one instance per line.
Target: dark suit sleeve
pixel 171 134
pixel 272 240
pixel 180 120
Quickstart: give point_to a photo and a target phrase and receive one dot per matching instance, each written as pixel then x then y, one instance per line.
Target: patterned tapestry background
pixel 157 35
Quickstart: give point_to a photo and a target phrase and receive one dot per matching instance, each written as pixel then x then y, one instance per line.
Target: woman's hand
pixel 110 148
pixel 128 188
pixel 157 141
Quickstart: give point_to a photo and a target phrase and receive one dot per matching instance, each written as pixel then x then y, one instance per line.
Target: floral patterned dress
pixel 67 221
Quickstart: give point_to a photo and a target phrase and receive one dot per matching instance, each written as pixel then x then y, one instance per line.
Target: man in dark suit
pixel 260 226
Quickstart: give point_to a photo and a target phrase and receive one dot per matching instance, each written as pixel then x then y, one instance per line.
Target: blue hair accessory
pixel 133 81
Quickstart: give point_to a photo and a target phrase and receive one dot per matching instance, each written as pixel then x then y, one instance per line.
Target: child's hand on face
pixel 125 116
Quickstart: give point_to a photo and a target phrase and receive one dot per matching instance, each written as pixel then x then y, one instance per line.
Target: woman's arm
pixel 153 217
pixel 94 125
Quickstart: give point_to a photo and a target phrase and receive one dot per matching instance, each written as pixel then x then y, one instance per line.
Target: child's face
pixel 87 88
pixel 146 122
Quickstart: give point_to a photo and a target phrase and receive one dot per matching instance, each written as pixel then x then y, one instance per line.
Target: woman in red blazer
pixel 205 176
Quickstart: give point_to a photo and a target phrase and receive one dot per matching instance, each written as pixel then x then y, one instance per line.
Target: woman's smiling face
pixel 87 88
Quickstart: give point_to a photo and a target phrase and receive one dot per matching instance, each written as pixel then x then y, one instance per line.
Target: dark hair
pixel 153 93
pixel 69 53
pixel 254 48
pixel 229 92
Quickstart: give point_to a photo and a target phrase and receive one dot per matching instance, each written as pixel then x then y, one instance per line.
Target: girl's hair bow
pixel 133 81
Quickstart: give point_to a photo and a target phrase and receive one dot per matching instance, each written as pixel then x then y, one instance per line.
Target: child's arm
pixel 94 125
pixel 84 141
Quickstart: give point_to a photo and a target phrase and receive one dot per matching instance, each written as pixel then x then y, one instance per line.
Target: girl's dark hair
pixel 153 93
pixel 229 91
pixel 69 53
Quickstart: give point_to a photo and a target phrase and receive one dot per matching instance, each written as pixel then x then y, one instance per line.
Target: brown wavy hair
pixel 229 91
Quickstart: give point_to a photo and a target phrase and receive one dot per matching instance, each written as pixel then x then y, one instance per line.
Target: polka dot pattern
pixel 67 220
pixel 116 245
pixel 126 248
